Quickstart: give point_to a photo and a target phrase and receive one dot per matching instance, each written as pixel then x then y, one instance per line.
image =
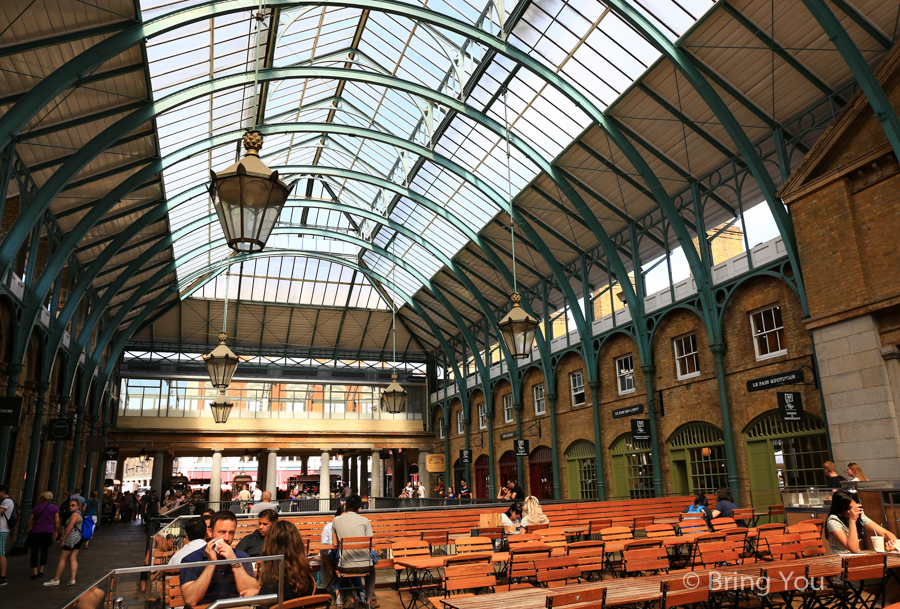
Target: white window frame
pixel 754 334
pixel 508 408
pixel 540 403
pixel 460 428
pixel 576 386
pixel 686 355
pixel 623 378
pixel 482 416
pixel 441 431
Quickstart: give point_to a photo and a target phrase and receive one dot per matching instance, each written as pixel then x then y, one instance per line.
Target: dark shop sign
pixel 790 407
pixel 10 410
pixel 509 435
pixel 522 448
pixel 640 430
pixel 628 411
pixel 61 429
pixel 794 377
pixel 465 456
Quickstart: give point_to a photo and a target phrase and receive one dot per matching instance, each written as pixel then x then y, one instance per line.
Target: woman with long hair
pixel 856 473
pixel 283 538
pixel 846 525
pixel 532 513
pixel 725 506
pixel 511 519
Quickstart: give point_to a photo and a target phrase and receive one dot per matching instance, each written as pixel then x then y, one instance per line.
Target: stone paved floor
pixel 114 546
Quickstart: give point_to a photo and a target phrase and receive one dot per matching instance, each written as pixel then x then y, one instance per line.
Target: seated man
pixel 204 585
pixel 252 544
pixel 265 504
pixel 348 525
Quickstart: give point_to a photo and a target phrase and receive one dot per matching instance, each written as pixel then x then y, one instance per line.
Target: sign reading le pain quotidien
pixel 794 377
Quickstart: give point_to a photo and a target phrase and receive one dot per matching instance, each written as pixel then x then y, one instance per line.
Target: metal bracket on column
pixel 530 431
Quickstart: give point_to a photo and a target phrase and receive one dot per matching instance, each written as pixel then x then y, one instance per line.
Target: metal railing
pixel 135 586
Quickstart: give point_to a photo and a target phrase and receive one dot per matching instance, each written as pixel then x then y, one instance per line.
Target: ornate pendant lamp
pixel 221 364
pixel 142 456
pixel 246 456
pixel 393 398
pixel 248 198
pixel 517 327
pixel 221 407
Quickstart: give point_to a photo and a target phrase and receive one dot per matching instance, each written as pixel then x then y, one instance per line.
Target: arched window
pixel 581 470
pixel 784 455
pixel 540 472
pixel 697 459
pixel 459 472
pixel 632 468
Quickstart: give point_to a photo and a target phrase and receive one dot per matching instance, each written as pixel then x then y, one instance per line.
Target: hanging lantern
pixel 246 455
pixel 393 398
pixel 142 456
pixel 221 407
pixel 248 197
pixel 518 328
pixel 221 364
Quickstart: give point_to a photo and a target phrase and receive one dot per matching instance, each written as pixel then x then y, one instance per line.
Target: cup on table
pixel 878 543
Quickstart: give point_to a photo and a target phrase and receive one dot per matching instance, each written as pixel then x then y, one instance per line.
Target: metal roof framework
pixel 633 129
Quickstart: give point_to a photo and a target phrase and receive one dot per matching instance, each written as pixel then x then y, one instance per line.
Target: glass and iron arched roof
pixel 769 61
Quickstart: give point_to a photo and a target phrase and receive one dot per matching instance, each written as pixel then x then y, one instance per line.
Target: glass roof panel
pixel 581 40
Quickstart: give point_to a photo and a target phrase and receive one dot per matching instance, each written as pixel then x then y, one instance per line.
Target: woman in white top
pixel 847 525
pixel 511 519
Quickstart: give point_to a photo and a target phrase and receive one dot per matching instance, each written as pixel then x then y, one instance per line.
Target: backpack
pixel 87 527
pixel 12 517
pixel 693 509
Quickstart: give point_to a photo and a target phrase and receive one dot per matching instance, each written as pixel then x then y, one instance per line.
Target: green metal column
pixel 15 370
pixel 58 446
pixel 598 439
pixel 718 350
pixel 554 442
pixel 95 423
pixel 80 408
pixel 649 372
pixel 34 450
pixel 447 447
pixel 492 486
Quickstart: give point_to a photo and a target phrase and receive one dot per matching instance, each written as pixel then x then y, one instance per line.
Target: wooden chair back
pixel 676 593
pixel 521 561
pixel 590 554
pixel 719 553
pixel 775 528
pixel 870 566
pixel 816 522
pixel 350 544
pixel 523 538
pixel 595 526
pixel 616 534
pixel 471 557
pixel 745 514
pixel 693 523
pixel 406 549
pixel 645 560
pixel 642 544
pixel 318 601
pixel 720 524
pixel 531 528
pixel 489 532
pixel 659 530
pixel 558 570
pixel 591 598
pixel 468 545
pixel 436 538
pixel 785 578
pixel 804 530
pixel 783 547
pixel 469 577
pixel 776 511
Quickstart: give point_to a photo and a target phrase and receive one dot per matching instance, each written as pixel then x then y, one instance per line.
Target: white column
pixel 324 484
pixel 215 479
pixel 376 474
pixel 156 477
pixel 424 476
pixel 272 474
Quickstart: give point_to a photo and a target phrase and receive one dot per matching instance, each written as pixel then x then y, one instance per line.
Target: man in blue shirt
pixel 204 585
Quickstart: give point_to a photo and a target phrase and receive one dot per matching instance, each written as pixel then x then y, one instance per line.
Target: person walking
pixel 7 508
pixel 244 497
pixel 90 513
pixel 43 522
pixel 71 542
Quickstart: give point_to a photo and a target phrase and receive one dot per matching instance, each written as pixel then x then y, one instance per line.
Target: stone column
pixel 215 479
pixel 364 475
pixel 304 466
pixel 354 471
pixel 272 474
pixel 156 477
pixel 324 484
pixel 345 469
pixel 376 474
pixel 424 476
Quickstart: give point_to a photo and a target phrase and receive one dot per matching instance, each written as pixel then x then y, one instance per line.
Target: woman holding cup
pixel 846 526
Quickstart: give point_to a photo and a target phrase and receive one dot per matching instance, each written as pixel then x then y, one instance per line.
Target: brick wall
pixel 690 400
